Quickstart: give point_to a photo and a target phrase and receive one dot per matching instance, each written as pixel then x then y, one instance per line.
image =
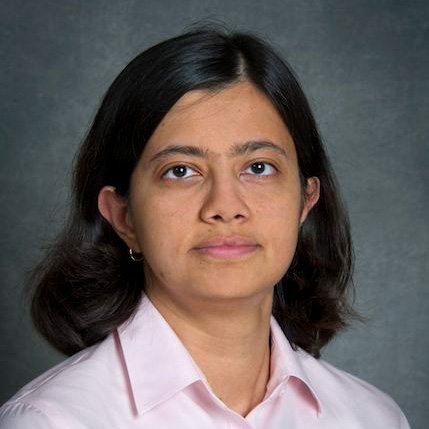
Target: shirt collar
pixel 157 362
pixel 157 365
pixel 286 364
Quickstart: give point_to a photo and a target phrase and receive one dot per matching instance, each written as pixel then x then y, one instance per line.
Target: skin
pixel 219 307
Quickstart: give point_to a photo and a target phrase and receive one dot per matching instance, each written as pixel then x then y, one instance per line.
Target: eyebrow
pixel 237 149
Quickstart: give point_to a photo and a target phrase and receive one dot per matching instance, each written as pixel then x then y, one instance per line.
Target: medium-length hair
pixel 87 285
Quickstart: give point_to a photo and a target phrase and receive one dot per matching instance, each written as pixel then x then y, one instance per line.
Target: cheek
pixel 280 208
pixel 160 227
pixel 279 224
pixel 164 234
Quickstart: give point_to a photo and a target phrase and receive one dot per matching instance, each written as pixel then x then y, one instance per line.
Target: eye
pixel 178 172
pixel 260 169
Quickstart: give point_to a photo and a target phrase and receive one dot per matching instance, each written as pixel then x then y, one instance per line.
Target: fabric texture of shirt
pixel 142 376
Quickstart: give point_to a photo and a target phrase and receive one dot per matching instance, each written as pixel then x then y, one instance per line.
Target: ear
pixel 312 193
pixel 114 208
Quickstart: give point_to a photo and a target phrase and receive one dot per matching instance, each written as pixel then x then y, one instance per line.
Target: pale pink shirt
pixel 142 376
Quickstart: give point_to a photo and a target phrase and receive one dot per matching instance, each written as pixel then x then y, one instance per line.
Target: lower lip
pixel 226 251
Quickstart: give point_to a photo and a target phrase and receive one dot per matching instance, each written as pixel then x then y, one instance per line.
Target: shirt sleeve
pixel 18 415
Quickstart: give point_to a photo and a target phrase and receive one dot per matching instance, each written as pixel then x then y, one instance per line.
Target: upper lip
pixel 234 240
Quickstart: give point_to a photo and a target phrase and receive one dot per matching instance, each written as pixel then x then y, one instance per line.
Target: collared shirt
pixel 142 376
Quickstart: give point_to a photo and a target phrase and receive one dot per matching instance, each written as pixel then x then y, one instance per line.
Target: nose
pixel 224 202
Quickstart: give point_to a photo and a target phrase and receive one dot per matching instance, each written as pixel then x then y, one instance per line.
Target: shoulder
pixel 349 397
pixel 74 387
pixel 23 416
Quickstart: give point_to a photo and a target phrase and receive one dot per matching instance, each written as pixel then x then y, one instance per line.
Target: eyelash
pixel 187 166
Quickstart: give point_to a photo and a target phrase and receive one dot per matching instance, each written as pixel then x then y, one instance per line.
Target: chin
pixel 232 289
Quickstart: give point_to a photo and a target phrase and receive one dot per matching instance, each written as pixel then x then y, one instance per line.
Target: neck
pixel 229 341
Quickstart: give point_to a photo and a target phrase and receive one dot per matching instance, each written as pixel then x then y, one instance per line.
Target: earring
pixel 133 257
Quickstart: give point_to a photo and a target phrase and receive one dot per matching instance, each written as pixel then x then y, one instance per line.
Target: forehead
pixel 218 120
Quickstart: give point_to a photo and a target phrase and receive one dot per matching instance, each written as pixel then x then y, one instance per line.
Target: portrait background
pixel 364 66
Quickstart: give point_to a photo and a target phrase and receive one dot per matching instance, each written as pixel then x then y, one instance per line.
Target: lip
pixel 225 241
pixel 227 247
pixel 226 251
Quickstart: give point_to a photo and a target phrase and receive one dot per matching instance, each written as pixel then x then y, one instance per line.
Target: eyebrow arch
pixel 237 149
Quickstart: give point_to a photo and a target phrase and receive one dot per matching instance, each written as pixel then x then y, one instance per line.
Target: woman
pixel 207 259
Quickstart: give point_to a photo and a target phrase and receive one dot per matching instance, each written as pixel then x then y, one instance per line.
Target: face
pixel 236 179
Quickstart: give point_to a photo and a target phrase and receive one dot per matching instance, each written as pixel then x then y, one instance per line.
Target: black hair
pixel 87 285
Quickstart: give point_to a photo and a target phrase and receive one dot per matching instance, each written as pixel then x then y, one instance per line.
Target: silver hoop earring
pixel 132 256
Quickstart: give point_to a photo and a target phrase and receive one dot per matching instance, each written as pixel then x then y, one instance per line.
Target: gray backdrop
pixel 364 66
